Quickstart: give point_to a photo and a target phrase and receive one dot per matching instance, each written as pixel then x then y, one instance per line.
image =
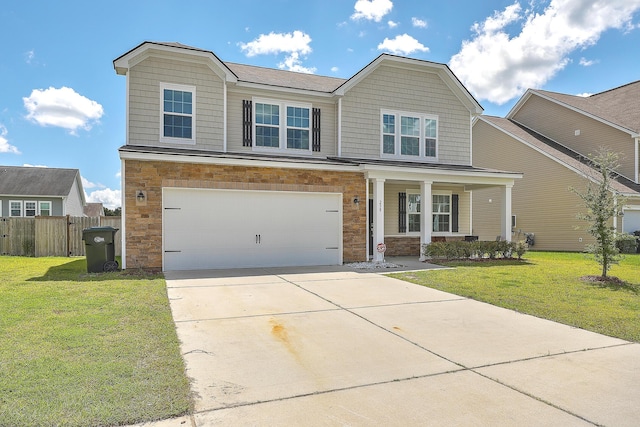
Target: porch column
pixel 425 215
pixel 505 222
pixel 378 217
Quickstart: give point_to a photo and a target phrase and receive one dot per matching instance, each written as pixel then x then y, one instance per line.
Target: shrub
pixel 477 249
pixel 626 243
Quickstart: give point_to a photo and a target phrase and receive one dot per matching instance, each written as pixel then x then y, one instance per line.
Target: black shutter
pixel 402 212
pixel 247 125
pixel 315 129
pixel 454 213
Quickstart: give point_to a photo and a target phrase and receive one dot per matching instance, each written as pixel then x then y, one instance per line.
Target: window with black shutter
pixel 247 123
pixel 402 212
pixel 315 129
pixel 454 213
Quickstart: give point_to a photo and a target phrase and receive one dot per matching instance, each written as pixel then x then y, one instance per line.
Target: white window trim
pixel 40 202
pixel 35 208
pixel 183 88
pixel 441 193
pixel 21 208
pixel 282 131
pixel 398 136
pixel 408 192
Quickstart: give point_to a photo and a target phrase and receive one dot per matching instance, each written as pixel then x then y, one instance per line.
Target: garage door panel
pixel 232 228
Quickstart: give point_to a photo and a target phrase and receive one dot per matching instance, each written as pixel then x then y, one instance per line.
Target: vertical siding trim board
pixel 247 123
pixel 315 129
pixel 402 212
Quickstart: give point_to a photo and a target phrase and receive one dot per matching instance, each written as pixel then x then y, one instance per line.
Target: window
pixel 44 208
pixel 415 137
pixel 292 133
pixel 441 208
pixel 413 212
pixel 15 208
pixel 178 113
pixel 29 208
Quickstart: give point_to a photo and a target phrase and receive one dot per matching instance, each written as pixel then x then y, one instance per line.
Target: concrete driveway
pixel 332 346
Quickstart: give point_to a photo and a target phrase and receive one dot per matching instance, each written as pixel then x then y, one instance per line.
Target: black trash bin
pixel 100 249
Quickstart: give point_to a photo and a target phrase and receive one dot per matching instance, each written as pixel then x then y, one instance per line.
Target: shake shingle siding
pixel 408 91
pixel 144 95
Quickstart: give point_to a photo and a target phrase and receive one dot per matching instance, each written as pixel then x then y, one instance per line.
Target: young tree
pixel 602 204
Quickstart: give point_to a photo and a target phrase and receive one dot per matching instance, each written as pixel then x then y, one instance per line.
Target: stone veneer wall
pixel 402 246
pixel 144 223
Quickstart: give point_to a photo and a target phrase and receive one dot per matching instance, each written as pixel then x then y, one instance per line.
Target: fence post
pixel 68 238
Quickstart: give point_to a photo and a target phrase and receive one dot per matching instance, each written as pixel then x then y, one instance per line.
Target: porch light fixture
pixel 356 200
pixel 141 198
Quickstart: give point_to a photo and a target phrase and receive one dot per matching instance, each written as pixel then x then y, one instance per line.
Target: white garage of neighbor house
pixel 240 228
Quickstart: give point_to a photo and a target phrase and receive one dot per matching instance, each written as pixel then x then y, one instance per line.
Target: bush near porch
pixel 474 250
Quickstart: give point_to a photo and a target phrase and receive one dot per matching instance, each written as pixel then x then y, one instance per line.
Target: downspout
pixel 340 129
pixel 637 160
pixel 123 216
pixel 224 117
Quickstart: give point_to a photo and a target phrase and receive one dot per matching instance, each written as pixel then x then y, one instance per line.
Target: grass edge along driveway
pixel 80 349
pixel 548 285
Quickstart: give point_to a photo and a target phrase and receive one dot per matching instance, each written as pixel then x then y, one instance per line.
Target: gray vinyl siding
pixel 541 200
pixel 560 124
pixel 144 102
pixel 73 202
pixel 327 108
pixel 404 90
pixel 56 203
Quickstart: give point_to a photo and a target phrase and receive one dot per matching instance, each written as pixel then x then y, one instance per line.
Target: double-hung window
pixel 441 208
pixel 15 208
pixel 282 126
pixel 413 212
pixel 30 208
pixel 409 135
pixel 44 208
pixel 178 113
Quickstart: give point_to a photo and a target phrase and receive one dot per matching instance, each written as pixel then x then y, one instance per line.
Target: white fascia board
pixel 149 49
pixel 444 175
pixel 181 158
pixel 281 89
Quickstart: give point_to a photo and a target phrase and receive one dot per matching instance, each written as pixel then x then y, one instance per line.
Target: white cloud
pixel 63 108
pixel 392 24
pixel 334 69
pixel 118 174
pixel 29 56
pixel 275 43
pixel 419 23
pixel 88 184
pixel 584 94
pixel 402 45
pixel 109 198
pixel 372 10
pixel 294 63
pixel 496 66
pixel 5 147
pixel 27 165
pixel 293 44
pixel 587 62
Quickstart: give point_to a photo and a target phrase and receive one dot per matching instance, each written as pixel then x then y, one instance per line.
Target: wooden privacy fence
pixel 51 235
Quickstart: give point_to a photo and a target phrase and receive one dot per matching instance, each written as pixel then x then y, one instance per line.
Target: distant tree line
pixel 113 212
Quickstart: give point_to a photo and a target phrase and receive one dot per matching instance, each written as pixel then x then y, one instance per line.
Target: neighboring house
pixel 94 209
pixel 33 191
pixel 230 165
pixel 549 136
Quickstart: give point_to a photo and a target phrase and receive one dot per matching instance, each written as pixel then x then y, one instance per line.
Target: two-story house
pixel 549 136
pixel 231 165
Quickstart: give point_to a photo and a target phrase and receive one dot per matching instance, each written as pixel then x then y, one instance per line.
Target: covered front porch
pixel 409 207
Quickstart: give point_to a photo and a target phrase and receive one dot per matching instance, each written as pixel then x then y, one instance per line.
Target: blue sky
pixel 62 104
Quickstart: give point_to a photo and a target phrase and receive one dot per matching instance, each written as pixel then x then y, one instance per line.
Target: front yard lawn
pixel 548 285
pixel 80 349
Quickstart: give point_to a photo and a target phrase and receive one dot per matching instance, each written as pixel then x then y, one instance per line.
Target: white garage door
pixel 631 221
pixel 207 229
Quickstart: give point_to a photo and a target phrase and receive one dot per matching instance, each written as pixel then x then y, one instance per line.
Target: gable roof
pixel 32 181
pixel 94 209
pixel 557 152
pixel 261 76
pixel 619 107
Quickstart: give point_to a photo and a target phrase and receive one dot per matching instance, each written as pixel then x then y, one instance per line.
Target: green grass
pixel 548 285
pixel 80 349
